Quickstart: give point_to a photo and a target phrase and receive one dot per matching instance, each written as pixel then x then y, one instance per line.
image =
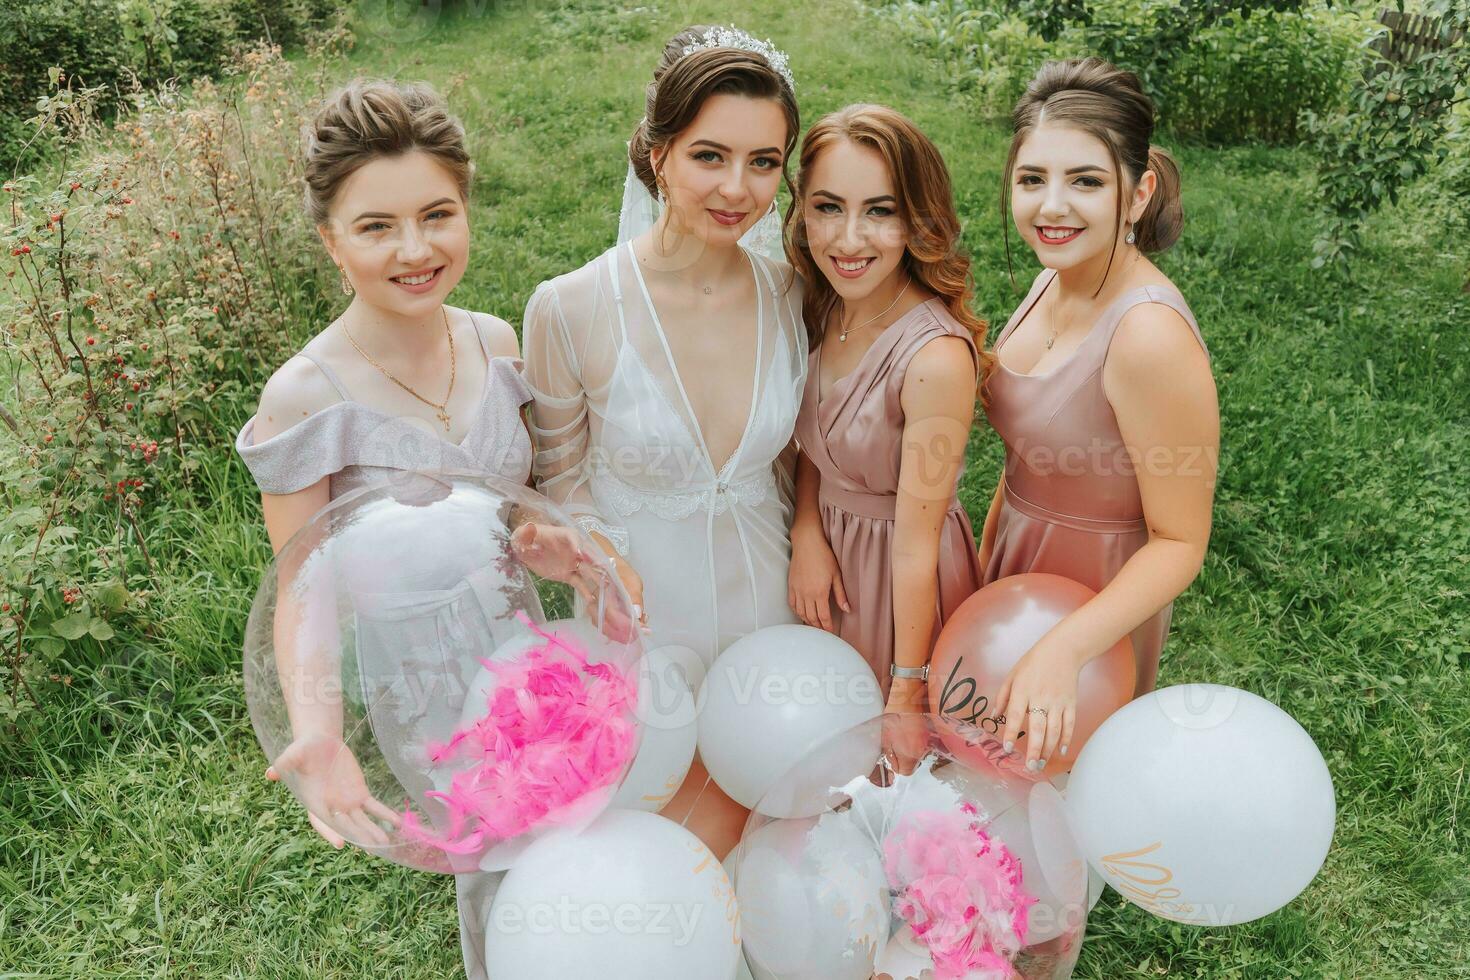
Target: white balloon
pixel 670 729
pixel 1095 883
pixel 1203 804
pixel 904 958
pixel 771 697
pixel 634 896
pixel 1095 886
pixel 813 900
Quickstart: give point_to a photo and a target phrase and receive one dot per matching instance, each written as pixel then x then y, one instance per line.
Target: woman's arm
pixel 814 578
pixel 1157 379
pixel 987 531
pixel 938 401
pixel 306 634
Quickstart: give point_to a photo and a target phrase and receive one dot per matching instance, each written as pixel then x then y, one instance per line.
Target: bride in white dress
pixel 668 371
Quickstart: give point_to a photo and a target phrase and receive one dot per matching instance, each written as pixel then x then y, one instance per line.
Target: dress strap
pixel 617 289
pixel 1162 295
pixel 330 375
pixel 479 335
pixel 1038 286
pixel 760 262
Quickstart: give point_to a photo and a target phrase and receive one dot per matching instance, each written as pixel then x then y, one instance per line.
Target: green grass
pixel 139 839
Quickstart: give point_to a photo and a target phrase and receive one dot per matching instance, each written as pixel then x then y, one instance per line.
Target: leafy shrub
pixel 150 284
pixel 1231 81
pixel 114 45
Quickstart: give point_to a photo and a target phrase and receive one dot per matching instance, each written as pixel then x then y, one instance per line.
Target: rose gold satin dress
pixel 1070 504
pixel 854 437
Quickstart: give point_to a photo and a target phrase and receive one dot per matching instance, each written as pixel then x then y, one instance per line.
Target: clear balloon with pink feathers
pixel 442 668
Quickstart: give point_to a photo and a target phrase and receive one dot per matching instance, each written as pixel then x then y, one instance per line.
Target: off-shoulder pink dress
pixel 1070 503
pixel 358 446
pixel 854 437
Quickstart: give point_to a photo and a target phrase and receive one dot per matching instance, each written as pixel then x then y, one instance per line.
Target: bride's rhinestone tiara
pixel 734 37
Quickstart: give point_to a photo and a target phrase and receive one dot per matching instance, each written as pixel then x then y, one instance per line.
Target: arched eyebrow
pixel 725 149
pixel 380 214
pixel 872 200
pixel 1089 168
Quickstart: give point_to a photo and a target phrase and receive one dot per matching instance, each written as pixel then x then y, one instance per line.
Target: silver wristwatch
pixel 909 673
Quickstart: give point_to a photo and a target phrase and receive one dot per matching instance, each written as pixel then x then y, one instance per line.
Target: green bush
pixel 113 44
pixel 1235 81
pixel 1239 80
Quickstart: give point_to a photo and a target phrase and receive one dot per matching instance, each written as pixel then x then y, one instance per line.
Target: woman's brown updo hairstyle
pixel 681 84
pixel 932 253
pixel 1109 103
pixel 368 118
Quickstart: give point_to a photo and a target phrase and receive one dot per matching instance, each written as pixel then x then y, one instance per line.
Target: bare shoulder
pixel 943 360
pixel 296 391
pixel 500 336
pixel 1153 337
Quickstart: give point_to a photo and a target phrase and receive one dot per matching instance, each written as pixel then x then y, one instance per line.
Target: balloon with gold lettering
pixel 992 630
pixel 1203 804
pixel 634 896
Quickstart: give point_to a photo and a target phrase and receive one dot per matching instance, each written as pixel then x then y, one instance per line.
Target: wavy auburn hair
pixel 932 256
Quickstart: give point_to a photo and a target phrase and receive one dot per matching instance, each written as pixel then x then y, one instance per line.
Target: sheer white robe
pixel 619 445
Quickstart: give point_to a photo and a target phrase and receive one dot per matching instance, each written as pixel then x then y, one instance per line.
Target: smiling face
pixel 399 229
pixel 854 231
pixel 1064 197
pixel 722 172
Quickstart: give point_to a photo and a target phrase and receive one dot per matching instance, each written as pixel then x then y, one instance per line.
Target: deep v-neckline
pixel 863 360
pixel 1010 331
pixel 697 435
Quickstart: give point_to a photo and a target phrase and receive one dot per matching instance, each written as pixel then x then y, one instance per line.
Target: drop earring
pixel 1130 238
pixel 342 279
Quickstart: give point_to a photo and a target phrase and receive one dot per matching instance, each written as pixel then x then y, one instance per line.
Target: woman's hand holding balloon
pixel 905 738
pixel 330 782
pixel 1039 700
pixel 554 553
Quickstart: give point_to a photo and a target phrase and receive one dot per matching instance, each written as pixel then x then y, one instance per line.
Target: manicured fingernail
pixel 1010 747
pixel 1064 750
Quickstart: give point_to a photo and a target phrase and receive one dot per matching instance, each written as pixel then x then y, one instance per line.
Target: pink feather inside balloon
pixel 556 728
pixel 960 890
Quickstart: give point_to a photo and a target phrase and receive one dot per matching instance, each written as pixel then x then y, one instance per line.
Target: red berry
pixel 4 607
pixel 136 386
pixel 75 186
pixel 49 437
pixel 128 407
pixel 91 341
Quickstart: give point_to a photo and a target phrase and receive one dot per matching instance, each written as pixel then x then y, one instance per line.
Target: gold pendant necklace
pixel 441 408
pixel 842 336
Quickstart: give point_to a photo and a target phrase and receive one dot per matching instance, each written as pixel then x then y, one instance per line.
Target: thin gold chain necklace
pixel 842 336
pixel 439 409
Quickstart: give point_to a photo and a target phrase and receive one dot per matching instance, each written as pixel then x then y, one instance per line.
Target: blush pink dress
pixel 1070 503
pixel 854 437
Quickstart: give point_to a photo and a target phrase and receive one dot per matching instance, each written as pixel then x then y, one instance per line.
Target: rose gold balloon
pixel 702 808
pixel 986 637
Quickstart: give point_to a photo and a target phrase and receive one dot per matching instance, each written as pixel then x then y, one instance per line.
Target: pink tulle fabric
pixel 960 891
pixel 556 729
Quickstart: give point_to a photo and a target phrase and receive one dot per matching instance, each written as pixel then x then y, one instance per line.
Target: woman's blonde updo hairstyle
pixel 371 118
